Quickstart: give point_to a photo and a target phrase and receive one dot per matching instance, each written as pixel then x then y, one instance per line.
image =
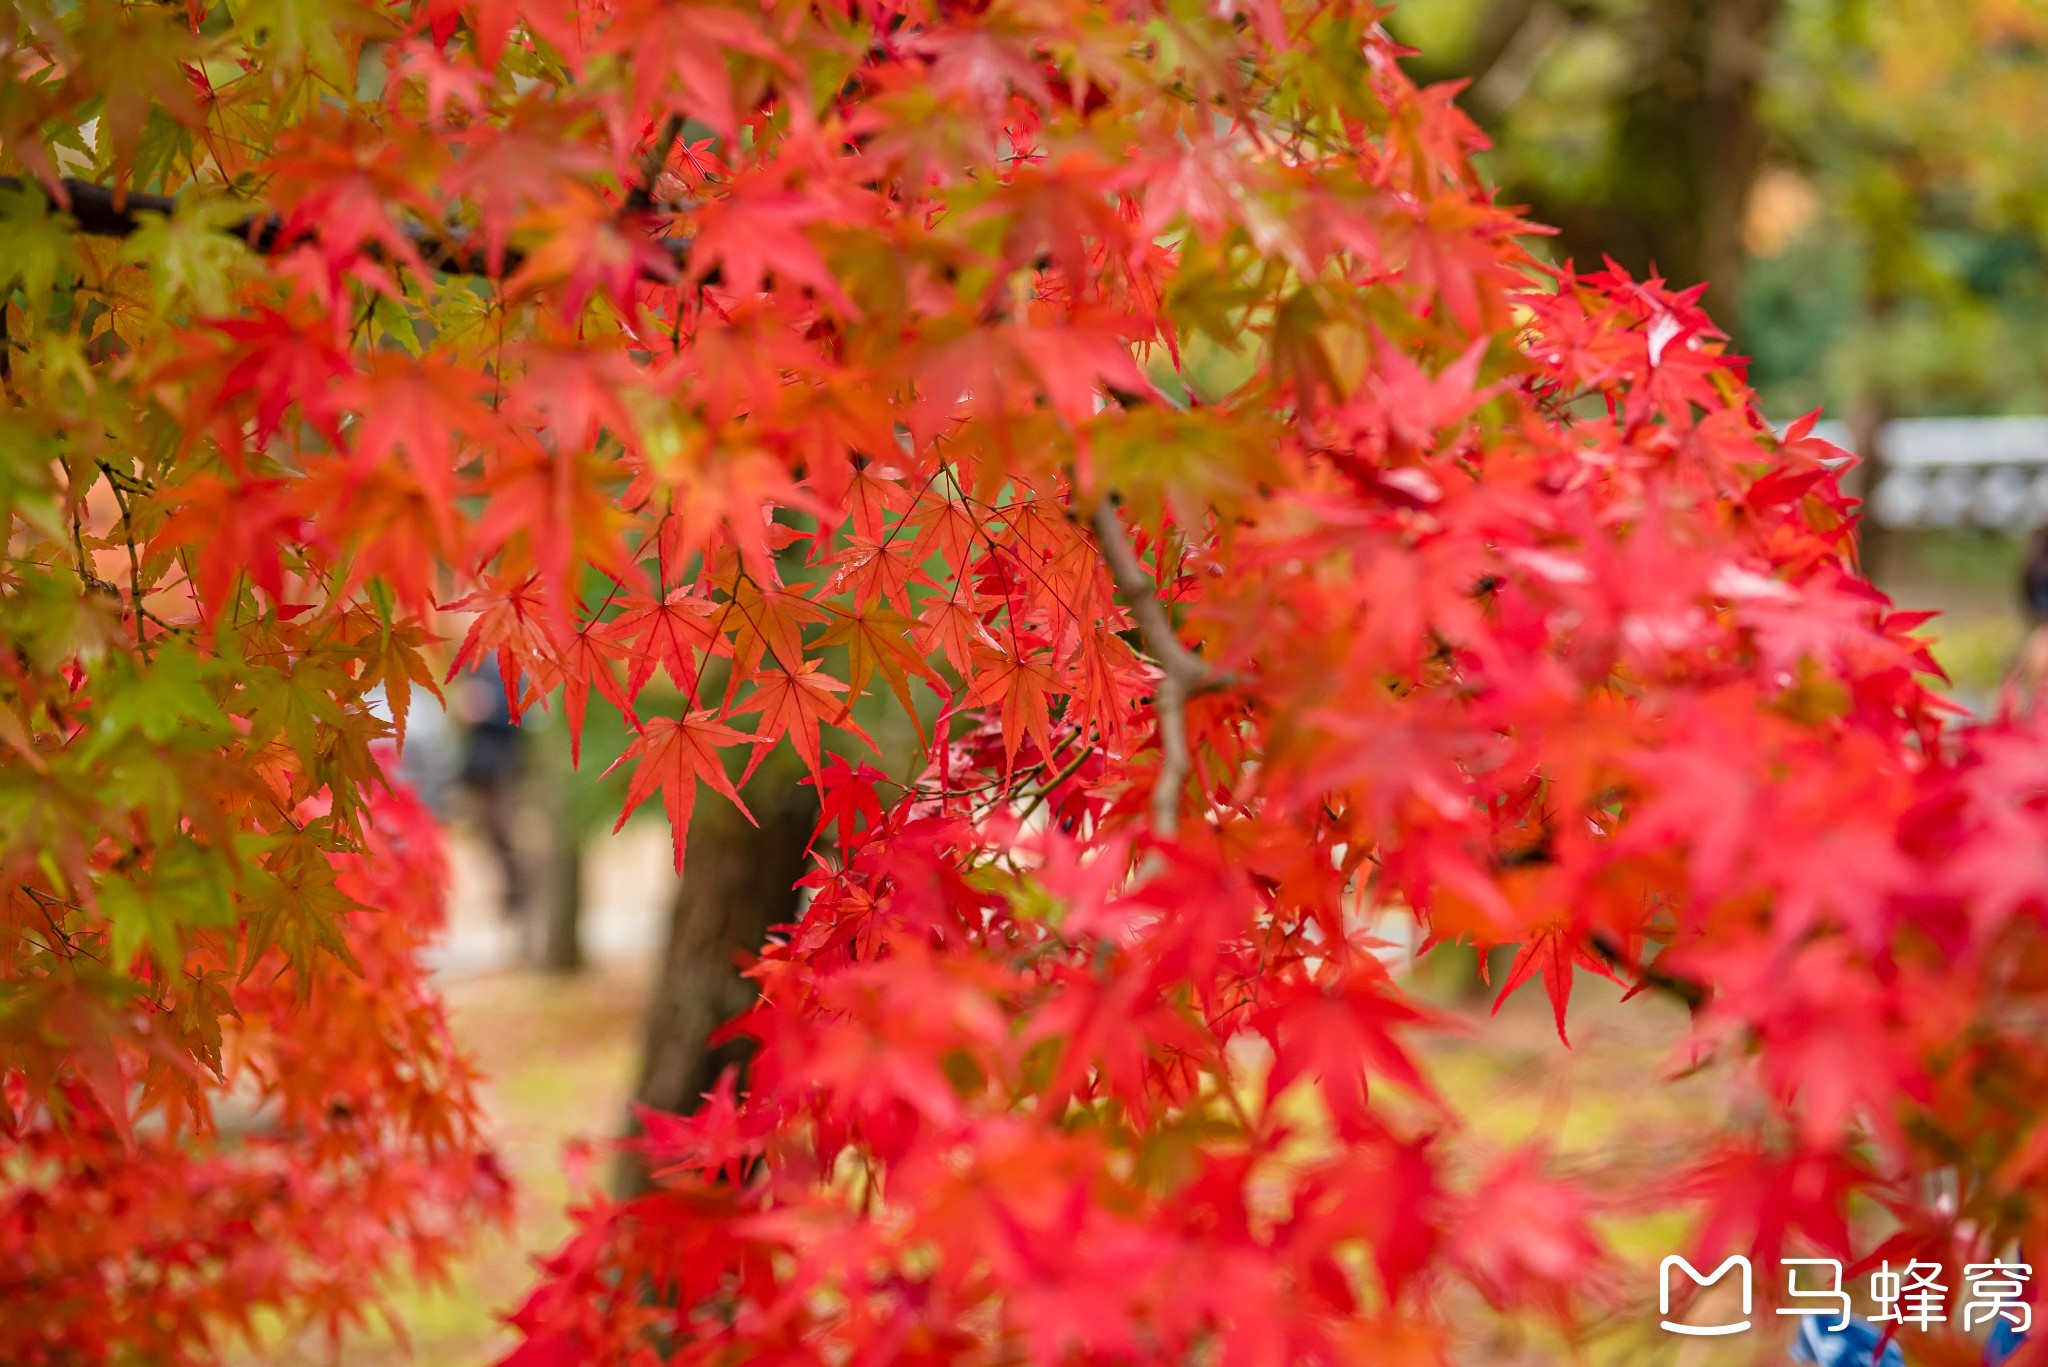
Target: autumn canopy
pixel 1148 398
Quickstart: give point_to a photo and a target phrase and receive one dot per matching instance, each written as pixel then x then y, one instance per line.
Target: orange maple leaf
pixel 794 703
pixel 672 754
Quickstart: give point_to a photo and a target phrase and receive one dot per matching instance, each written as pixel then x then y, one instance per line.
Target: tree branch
pixel 1693 994
pixel 100 212
pixel 1183 673
pixel 1514 53
pixel 1502 24
pixel 1044 790
pixel 642 197
pixel 134 565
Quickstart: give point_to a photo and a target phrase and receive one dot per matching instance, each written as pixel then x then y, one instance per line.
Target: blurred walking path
pixel 557 1056
pixel 629 882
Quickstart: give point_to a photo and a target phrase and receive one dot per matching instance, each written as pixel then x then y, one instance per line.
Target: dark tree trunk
pixel 1867 418
pixel 1738 36
pixel 739 881
pixel 1688 139
pixel 561 926
pixel 554 937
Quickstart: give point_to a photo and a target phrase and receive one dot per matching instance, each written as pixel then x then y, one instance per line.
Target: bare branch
pixel 134 565
pixel 1044 789
pixel 1693 994
pixel 642 197
pixel 1183 673
pixel 100 212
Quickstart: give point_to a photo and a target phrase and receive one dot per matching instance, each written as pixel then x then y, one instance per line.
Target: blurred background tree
pixel 1633 126
pixel 1900 229
pixel 1862 183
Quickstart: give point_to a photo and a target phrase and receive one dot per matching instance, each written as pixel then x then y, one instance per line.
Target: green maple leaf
pixel 165 701
pixel 37 248
pixel 191 256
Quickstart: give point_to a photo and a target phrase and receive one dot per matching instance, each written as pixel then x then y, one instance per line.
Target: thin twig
pixel 1044 789
pixel 134 565
pixel 85 575
pixel 1693 994
pixel 641 198
pixel 1182 672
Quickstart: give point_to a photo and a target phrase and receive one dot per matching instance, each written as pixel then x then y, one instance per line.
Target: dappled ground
pixel 559 1055
pixel 1621 1108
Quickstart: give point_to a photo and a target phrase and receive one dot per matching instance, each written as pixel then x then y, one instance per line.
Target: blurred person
pixel 2034 577
pixel 493 757
pixel 2030 671
pixel 432 757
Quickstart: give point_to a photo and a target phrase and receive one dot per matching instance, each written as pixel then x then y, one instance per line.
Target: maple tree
pixel 1147 399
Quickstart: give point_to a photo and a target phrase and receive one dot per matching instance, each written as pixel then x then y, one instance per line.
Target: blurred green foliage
pixel 1890 240
pixel 1631 126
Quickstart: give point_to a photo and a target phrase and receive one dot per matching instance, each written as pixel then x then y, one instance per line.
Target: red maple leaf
pixel 666 634
pixel 1555 954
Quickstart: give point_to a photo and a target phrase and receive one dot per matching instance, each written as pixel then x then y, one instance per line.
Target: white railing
pixel 1959 472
